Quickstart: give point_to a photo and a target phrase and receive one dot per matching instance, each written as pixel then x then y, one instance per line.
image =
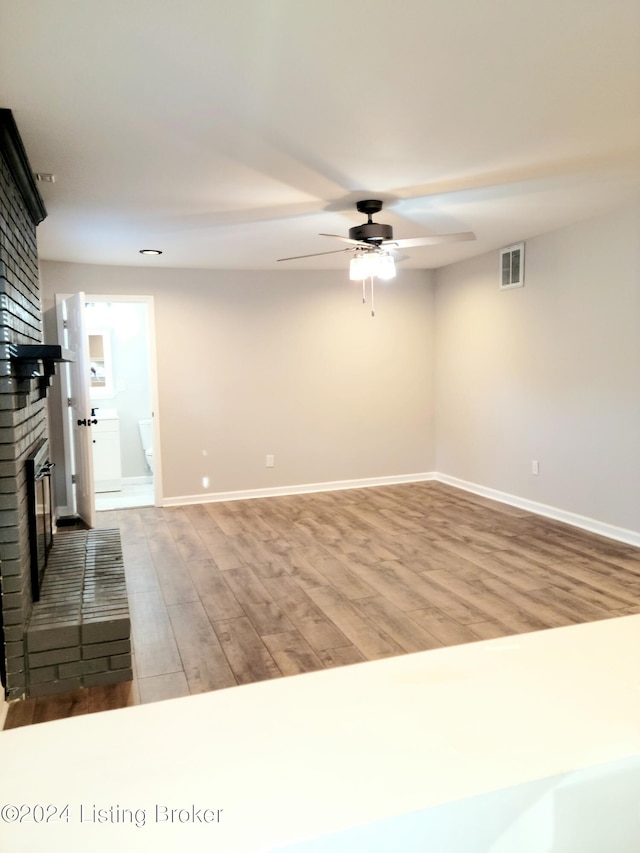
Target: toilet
pixel 146 437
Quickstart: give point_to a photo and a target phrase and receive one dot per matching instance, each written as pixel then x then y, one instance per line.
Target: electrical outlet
pixel 270 460
pixel 535 467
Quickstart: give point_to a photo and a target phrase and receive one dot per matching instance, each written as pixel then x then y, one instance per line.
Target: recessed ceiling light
pixel 150 252
pixel 45 177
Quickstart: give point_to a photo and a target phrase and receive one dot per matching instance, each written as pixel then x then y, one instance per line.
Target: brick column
pixel 22 415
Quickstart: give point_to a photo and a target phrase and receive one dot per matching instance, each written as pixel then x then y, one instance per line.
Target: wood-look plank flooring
pixel 230 593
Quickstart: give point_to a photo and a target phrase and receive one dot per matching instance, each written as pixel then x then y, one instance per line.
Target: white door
pixel 77 417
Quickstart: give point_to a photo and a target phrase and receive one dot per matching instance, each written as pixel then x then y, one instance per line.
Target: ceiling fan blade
pixel 315 255
pixel 346 240
pixel 398 257
pixel 430 241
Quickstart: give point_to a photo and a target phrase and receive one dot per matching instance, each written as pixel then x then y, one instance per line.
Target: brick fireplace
pixel 22 404
pixel 78 633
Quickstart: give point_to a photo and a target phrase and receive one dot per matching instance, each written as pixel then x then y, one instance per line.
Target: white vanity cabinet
pixel 107 467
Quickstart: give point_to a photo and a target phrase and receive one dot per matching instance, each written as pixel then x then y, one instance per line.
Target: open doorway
pixel 121 395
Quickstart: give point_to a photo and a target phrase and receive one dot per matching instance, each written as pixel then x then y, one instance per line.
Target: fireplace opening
pixel 40 513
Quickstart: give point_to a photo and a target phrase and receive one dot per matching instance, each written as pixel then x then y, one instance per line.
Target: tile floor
pixel 140 494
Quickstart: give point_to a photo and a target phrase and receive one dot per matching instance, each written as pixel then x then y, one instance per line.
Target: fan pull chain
pixel 364 294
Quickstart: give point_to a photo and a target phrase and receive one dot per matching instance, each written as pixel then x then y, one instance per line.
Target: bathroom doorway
pixel 123 397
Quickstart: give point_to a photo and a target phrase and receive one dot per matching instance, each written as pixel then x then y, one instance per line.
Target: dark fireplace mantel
pixel 35 362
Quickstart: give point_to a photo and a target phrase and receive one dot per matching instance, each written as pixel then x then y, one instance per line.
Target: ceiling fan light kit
pixel 373 243
pixel 369 264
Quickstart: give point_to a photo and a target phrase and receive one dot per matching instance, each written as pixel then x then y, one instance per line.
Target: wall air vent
pixel 512 267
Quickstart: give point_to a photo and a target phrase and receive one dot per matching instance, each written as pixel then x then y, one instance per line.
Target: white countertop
pixel 300 757
pixel 106 414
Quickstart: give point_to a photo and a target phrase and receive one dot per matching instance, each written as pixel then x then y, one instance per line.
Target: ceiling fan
pixel 376 237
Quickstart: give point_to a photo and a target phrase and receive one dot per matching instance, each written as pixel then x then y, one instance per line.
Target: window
pixel 512 267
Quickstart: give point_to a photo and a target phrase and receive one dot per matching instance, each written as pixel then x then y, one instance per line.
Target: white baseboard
pixel 303 489
pixel 610 531
pixel 137 481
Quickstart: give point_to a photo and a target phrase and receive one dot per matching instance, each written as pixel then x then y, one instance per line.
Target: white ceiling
pixel 229 133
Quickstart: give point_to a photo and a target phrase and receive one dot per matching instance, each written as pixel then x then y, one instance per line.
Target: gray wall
pixel 280 363
pixel 549 372
pixel 292 364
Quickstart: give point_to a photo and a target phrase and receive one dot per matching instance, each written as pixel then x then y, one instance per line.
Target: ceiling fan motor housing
pixel 371 232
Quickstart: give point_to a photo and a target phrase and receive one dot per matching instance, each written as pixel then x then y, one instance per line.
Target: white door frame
pixel 153 377
pixel 70 317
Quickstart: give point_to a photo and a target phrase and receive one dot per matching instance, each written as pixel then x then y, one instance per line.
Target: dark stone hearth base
pixel 79 632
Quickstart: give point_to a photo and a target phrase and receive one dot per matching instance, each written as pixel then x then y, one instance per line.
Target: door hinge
pixel 65 324
pixel 74 479
pixel 69 402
